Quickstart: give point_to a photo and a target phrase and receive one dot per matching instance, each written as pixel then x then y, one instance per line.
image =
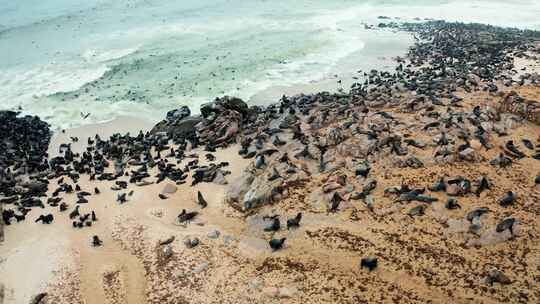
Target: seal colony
pixel 415 186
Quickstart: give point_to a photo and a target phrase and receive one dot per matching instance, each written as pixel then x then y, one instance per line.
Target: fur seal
pixel 274 226
pixel 452 204
pixel 439 185
pixel 45 219
pixel 369 263
pixel 74 213
pixel 334 202
pixel 96 241
pixel 186 216
pixel 483 185
pixel 507 223
pixel 508 199
pixel 295 221
pixel 200 200
pixel 277 244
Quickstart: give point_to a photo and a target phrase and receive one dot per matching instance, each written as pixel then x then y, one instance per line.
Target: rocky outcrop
pixel 220 122
pixel 524 108
pixel 178 127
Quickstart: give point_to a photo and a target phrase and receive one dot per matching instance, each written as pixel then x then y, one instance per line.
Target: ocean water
pixel 142 58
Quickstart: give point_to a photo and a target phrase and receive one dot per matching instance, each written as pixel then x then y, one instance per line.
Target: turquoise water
pixel 59 58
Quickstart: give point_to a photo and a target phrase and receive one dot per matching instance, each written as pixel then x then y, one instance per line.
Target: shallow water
pixel 59 58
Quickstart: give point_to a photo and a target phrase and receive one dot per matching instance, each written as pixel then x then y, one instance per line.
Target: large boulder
pixel 250 191
pixel 178 114
pixel 178 128
pixel 224 103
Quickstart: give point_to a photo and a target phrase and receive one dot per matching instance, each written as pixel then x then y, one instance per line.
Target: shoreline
pixel 360 166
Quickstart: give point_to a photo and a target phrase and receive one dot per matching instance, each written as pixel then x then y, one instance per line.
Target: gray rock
pixel 214 234
pixel 227 102
pixel 239 187
pixel 260 192
pixel 178 114
pixel 287 292
pixel 227 239
pixel 220 178
pixel 178 128
pixel 169 189
pixel 167 251
pixel 255 284
pixel 191 243
pixel 201 267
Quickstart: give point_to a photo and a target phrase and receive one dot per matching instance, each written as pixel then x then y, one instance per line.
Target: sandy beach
pixel 419 186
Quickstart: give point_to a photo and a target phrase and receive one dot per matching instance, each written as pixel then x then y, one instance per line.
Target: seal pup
pixel 274 226
pixel 508 199
pixel 276 244
pixel 507 223
pixel 259 161
pixel 200 200
pixel 452 204
pixel 334 202
pixel 45 219
pixel 369 263
pixel 96 241
pixel 186 216
pixel 483 185
pixel 74 213
pixel 121 198
pixel 294 222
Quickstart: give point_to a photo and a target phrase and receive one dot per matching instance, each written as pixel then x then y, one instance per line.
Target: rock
pixel 169 189
pixel 255 284
pixel 238 187
pixel 271 291
pixel 261 192
pixel 214 234
pixel 453 190
pixel 496 276
pixel 201 267
pixel 167 251
pixel 414 162
pixel 219 178
pixel 227 239
pixel 178 128
pixel 334 137
pixel 468 154
pixel 191 243
pixel 220 104
pixel 287 292
pixel 178 114
pixel 157 213
pixel 250 191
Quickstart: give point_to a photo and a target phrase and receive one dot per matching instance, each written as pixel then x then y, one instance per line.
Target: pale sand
pixel 43 250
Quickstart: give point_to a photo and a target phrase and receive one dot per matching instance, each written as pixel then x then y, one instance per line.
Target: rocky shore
pixel 416 186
